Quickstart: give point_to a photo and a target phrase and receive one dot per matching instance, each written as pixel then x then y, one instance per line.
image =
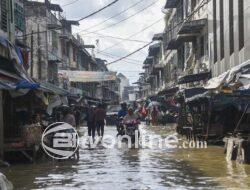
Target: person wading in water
pixel 90 118
pixel 100 115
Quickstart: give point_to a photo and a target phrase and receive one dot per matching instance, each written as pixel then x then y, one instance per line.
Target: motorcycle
pixel 131 128
pixel 120 127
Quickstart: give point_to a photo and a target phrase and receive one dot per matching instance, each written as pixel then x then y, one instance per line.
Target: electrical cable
pixel 135 34
pixel 129 62
pixel 118 38
pixel 140 11
pixel 110 4
pixel 112 55
pixel 183 21
pixel 73 2
pixel 118 14
pixel 132 53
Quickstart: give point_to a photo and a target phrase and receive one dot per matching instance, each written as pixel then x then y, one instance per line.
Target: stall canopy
pixel 169 91
pixel 192 92
pixel 88 76
pixel 47 87
pixel 236 78
pixel 194 78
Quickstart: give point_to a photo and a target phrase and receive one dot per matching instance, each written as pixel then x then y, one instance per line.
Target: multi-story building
pixel 229 31
pixel 209 35
pixel 44 25
pixel 187 37
pixel 124 82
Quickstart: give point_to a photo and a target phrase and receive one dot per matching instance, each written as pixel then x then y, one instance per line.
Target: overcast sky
pixel 129 67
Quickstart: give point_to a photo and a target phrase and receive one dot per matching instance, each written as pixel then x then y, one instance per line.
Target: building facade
pixel 124 82
pixel 228 34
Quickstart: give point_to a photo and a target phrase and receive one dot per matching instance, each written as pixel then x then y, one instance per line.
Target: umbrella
pixel 154 103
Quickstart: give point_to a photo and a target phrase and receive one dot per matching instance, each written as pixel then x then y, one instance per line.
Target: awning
pixel 24 84
pixel 48 87
pixel 173 44
pixel 190 92
pixel 198 97
pixel 146 66
pixel 158 66
pixel 154 49
pixel 194 78
pixel 171 4
pixel 7 83
pixel 13 82
pixel 236 78
pixel 169 91
pixel 158 37
pixel 55 7
pixel 149 60
pixel 70 22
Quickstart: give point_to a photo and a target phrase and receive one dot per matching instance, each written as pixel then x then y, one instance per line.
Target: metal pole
pixel 241 118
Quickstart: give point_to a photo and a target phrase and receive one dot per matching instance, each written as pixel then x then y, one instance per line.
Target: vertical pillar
pixel 1 126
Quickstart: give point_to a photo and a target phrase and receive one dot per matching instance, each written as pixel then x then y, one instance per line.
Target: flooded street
pixel 146 168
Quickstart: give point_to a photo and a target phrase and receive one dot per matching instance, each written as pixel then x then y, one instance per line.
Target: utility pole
pixel 39 53
pixel 31 53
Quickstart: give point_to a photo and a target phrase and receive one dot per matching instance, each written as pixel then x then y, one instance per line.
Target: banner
pixel 88 76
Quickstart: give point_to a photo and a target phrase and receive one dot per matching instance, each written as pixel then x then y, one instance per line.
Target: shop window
pixel 19 17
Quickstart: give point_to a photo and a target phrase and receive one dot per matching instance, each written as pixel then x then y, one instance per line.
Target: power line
pixel 118 14
pixel 112 55
pixel 142 30
pixel 130 54
pixel 118 38
pixel 110 4
pixel 186 19
pixel 104 28
pixel 70 3
pixel 129 62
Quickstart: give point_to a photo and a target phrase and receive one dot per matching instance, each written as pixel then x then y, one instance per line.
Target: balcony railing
pixel 191 29
pixel 173 28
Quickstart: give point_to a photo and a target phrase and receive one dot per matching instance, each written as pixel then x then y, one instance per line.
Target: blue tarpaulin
pixel 3 41
pixel 24 84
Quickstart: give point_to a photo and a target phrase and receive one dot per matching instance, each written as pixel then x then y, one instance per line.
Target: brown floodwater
pixel 143 168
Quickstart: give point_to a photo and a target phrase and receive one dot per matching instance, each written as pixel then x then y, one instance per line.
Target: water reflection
pixel 142 168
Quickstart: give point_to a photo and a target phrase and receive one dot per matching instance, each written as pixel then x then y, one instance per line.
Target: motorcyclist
pixel 123 111
pixel 121 114
pixel 131 116
pixel 131 120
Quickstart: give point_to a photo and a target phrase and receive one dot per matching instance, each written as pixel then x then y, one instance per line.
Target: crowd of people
pixel 95 116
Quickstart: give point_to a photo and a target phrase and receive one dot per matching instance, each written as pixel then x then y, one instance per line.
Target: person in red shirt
pixel 100 116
